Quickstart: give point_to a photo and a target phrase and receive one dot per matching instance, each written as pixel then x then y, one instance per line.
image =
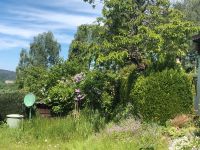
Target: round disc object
pixel 29 100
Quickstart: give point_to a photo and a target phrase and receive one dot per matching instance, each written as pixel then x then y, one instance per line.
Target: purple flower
pixel 78 96
pixel 79 77
pixel 77 91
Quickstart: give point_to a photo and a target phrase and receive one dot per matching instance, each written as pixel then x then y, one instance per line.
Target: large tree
pixel 43 53
pixel 141 32
pixel 44 50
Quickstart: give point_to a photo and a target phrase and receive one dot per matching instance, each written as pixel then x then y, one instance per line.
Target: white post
pixel 196 104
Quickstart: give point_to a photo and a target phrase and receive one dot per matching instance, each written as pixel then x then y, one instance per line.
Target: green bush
pixel 128 76
pixel 100 90
pixel 162 95
pixel 11 103
pixel 61 97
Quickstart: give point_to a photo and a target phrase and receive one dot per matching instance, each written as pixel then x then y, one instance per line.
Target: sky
pixel 21 20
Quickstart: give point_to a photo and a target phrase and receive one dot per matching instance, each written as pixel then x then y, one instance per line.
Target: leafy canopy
pixel 145 33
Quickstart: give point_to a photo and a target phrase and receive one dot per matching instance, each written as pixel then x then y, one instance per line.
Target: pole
pixel 198 89
pixel 30 113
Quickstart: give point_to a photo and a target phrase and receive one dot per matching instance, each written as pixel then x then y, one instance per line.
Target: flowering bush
pixel 60 97
pixel 79 77
pixel 64 94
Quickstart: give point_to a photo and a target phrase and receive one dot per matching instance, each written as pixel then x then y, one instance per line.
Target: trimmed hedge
pixel 162 95
pixel 11 103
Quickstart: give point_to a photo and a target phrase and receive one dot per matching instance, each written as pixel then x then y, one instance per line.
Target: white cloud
pixel 69 21
pixel 17 31
pixel 76 5
pixel 38 21
pixel 8 44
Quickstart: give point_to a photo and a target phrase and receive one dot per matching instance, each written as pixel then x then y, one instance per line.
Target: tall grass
pixel 53 130
pixel 85 133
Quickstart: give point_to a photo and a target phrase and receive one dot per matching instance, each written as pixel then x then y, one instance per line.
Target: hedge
pixel 162 95
pixel 11 103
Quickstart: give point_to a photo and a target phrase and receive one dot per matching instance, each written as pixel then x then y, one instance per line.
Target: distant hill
pixel 7 75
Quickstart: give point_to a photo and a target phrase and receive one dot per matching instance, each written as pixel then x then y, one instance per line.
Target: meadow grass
pixel 85 133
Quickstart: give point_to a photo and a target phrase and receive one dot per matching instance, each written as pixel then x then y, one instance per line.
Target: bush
pixel 60 97
pixel 162 95
pixel 100 90
pixel 11 103
pixel 128 76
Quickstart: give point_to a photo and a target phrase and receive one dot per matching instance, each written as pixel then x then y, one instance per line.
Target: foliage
pixel 155 36
pixel 190 8
pixel 44 50
pixel 35 80
pixel 11 102
pixel 23 64
pixel 83 47
pixel 62 90
pixel 148 34
pixel 128 75
pixel 62 70
pixel 123 111
pixel 162 95
pixel 43 53
pixel 61 97
pixel 100 91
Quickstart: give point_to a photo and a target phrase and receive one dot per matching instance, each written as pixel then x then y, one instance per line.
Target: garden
pixel 128 83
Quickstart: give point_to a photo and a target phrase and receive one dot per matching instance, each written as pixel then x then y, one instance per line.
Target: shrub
pixel 11 103
pixel 60 97
pixel 100 91
pixel 162 95
pixel 128 76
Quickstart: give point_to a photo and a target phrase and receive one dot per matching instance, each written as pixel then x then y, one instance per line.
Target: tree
pixel 44 50
pixel 43 53
pixel 81 48
pixel 145 33
pixel 191 9
pixel 23 63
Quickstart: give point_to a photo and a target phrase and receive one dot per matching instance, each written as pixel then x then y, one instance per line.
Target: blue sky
pixel 21 20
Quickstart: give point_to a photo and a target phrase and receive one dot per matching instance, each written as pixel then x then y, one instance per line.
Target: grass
pixel 85 133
